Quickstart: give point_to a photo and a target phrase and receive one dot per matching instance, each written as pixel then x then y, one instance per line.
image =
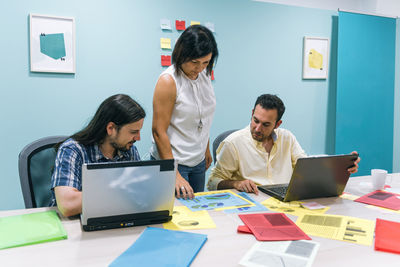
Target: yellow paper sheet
pixel 348 196
pixel 185 219
pixel 292 207
pixel 193 22
pixel 165 43
pixel 343 228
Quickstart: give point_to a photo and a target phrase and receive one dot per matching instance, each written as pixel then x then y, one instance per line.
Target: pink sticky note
pixel 180 25
pixel 165 60
pixel 212 75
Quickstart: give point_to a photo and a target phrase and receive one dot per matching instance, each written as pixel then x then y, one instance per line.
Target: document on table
pixel 258 206
pixel 382 199
pixel 218 200
pixel 272 227
pixel 281 253
pixel 185 219
pixel 32 228
pixel 387 236
pixel 293 207
pixel 160 247
pixel 344 228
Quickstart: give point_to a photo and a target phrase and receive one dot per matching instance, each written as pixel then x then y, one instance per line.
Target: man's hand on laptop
pixel 354 169
pixel 183 188
pixel 247 186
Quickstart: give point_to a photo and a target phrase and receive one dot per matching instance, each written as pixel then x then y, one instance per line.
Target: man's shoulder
pixel 237 135
pixel 284 133
pixel 70 143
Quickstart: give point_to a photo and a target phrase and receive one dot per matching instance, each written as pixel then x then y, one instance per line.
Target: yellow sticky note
pixel 165 43
pixel 185 219
pixel 194 22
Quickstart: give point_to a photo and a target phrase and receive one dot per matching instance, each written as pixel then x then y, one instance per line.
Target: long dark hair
pixel 195 42
pixel 119 109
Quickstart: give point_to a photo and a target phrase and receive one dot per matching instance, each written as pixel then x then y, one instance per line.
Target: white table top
pixel 224 247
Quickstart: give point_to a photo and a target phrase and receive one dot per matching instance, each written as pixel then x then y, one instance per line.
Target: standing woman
pixel 183 109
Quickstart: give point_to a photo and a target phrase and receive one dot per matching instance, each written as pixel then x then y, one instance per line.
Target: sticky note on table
pixel 165 43
pixel 165 60
pixel 180 25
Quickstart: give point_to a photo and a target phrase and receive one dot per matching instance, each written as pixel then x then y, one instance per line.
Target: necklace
pixel 200 124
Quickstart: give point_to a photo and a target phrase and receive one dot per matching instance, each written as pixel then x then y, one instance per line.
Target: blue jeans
pixel 196 176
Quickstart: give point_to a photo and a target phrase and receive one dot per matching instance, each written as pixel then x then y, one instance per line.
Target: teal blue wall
pixel 117 50
pixel 396 134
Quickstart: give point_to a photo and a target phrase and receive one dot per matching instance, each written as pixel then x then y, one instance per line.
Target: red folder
pixel 273 227
pixel 381 199
pixel 387 236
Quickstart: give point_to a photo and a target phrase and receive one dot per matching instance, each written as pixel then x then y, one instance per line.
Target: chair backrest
pixel 35 165
pixel 218 140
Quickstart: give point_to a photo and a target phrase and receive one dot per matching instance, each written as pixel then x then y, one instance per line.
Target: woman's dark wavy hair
pixel 119 109
pixel 268 101
pixel 195 42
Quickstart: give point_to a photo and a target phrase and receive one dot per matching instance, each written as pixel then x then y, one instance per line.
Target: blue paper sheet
pixel 161 247
pixel 257 207
pixel 218 200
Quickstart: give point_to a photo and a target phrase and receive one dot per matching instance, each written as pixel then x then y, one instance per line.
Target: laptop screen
pixel 126 188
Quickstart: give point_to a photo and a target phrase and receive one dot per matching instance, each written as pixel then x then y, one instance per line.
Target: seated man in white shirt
pixel 262 153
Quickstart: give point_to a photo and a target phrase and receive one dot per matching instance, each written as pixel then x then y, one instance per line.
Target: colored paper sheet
pixel 180 25
pixel 165 60
pixel 210 26
pixel 387 236
pixel 257 207
pixel 28 229
pixel 281 253
pixel 165 24
pixel 337 227
pixel 272 227
pixel 193 22
pixel 381 199
pixel 165 43
pixel 161 247
pixel 185 219
pixel 244 229
pixel 218 200
pixel 349 196
pixel 293 208
pixel 53 45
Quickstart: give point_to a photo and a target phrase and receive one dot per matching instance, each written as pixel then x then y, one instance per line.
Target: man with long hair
pixel 109 136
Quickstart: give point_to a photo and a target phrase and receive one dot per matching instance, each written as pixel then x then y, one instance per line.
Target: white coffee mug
pixel 378 177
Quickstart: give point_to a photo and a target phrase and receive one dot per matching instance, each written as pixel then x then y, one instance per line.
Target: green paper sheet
pixel 27 229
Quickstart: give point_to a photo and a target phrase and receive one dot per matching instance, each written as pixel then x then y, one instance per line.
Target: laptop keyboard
pixel 279 190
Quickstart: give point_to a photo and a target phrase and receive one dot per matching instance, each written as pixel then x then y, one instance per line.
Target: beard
pixel 120 147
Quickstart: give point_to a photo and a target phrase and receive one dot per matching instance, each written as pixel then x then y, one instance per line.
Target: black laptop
pixel 314 177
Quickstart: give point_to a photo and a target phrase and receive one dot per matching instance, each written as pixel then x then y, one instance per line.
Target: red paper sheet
pixel 387 236
pixel 381 199
pixel 273 227
pixel 244 229
pixel 165 60
pixel 180 25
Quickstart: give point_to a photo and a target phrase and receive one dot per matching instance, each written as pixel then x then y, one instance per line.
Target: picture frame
pixel 315 57
pixel 52 44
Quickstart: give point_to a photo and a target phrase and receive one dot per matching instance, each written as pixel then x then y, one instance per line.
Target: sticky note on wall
pixel 180 25
pixel 165 60
pixel 165 43
pixel 193 22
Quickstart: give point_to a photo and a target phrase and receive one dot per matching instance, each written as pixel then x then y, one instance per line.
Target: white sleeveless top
pixel 195 102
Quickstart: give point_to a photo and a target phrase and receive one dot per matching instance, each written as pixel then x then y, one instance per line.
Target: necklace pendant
pixel 200 126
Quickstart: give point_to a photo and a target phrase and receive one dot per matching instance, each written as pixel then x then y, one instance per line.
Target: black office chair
pixel 218 140
pixel 35 165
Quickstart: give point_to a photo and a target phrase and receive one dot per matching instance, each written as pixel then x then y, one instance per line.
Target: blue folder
pixel 162 247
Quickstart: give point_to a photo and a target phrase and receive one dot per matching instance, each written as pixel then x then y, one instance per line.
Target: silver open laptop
pixel 314 177
pixel 122 194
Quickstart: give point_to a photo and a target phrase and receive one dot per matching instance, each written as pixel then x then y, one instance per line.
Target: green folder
pixel 28 229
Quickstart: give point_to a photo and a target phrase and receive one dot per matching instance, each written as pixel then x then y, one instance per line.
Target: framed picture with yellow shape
pixel 315 57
